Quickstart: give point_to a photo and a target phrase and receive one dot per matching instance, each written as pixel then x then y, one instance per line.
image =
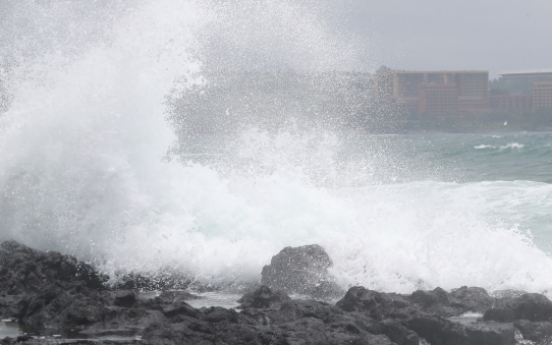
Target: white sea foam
pixel 482 147
pixel 81 171
pixel 511 146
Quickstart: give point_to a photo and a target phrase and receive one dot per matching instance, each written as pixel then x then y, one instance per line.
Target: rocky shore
pixel 55 299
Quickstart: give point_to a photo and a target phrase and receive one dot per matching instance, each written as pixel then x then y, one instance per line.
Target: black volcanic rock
pixel 440 331
pixel 538 332
pixel 399 334
pixel 454 303
pixel 25 270
pixel 529 306
pixel 302 270
pixel 176 296
pixel 50 293
pixel 264 298
pixel 499 315
pixel 378 305
pixel 532 307
pixel 470 299
pixel 429 299
pixel 124 299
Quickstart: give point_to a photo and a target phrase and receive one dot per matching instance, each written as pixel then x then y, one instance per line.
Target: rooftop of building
pixel 438 71
pixel 543 83
pixel 527 72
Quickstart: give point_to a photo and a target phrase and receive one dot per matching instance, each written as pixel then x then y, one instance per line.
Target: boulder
pixel 470 299
pixel 454 303
pixel 434 301
pixel 399 334
pixel 176 296
pixel 532 307
pixel 528 306
pixel 490 333
pixel 264 298
pixel 55 293
pixel 25 270
pixel 302 270
pixel 124 299
pixel 499 315
pixel 377 305
pixel 538 332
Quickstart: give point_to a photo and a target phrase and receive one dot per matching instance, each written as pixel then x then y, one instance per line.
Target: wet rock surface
pixel 25 270
pixel 58 300
pixel 302 270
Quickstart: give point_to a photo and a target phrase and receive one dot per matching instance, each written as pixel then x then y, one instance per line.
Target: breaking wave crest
pixel 84 169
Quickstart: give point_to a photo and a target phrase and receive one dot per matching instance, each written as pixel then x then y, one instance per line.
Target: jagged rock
pixel 378 305
pixel 436 330
pixel 430 298
pixel 539 332
pixel 63 311
pixel 354 323
pixel 470 299
pixel 490 333
pixel 440 331
pixel 302 270
pixel 435 301
pixel 414 318
pixel 499 315
pixel 180 308
pixel 399 334
pixel 9 306
pixel 55 293
pixel 125 299
pixel 264 298
pixel 306 330
pixel 176 296
pixel 297 309
pixel 454 303
pixel 529 306
pixel 25 270
pixel 532 307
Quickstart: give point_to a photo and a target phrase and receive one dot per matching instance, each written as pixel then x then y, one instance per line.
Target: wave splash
pixel 509 146
pixel 82 171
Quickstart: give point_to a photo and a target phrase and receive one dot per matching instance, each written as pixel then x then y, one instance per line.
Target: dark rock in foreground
pixel 25 270
pixel 264 298
pixel 53 294
pixel 302 270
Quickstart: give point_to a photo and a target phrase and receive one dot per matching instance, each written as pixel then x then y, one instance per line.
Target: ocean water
pixel 85 169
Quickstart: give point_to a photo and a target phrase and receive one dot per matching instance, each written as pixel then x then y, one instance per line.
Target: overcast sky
pixel 494 35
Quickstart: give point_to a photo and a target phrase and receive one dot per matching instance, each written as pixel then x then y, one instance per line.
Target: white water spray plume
pixel 203 137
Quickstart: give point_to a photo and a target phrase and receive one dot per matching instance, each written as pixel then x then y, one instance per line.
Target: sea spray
pixel 84 166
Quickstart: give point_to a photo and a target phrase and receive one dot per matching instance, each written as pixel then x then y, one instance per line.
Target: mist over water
pixel 98 158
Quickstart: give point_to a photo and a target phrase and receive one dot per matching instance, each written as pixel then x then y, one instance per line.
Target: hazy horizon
pixel 482 35
pixel 423 35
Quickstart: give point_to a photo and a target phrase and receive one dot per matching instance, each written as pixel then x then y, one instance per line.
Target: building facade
pixel 520 102
pixel 437 99
pixel 522 90
pixel 435 92
pixel 542 95
pixel 520 82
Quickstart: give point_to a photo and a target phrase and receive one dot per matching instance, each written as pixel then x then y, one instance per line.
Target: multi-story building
pixel 520 102
pixel 520 82
pixel 542 95
pixel 438 98
pixel 435 92
pixel 522 90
